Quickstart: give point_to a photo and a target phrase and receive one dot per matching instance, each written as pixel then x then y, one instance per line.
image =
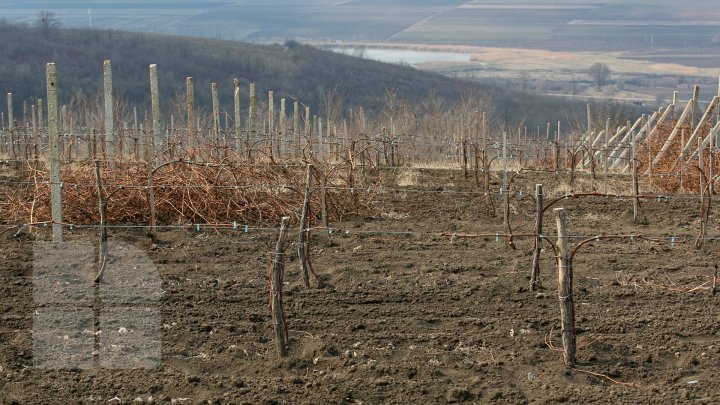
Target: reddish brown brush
pixel 667 172
pixel 186 192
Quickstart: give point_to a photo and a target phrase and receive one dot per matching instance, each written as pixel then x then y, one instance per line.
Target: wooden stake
pixel 296 129
pixel 102 205
pixel 155 102
pixel 486 163
pixel 216 112
pixel 41 119
pixel 693 114
pixel 251 122
pixel 282 129
pixel 506 193
pixel 308 135
pixel 11 119
pixel 539 207
pixel 276 290
pixel 565 291
pixel 304 225
pixel 464 158
pixel 53 134
pixel 322 179
pixel 304 237
pixel 238 127
pixel 682 161
pixel 150 169
pixel 109 112
pixel 703 211
pixel 190 103
pixel 635 182
pixel 271 123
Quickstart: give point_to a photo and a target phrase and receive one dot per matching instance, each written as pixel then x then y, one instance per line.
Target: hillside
pixel 291 71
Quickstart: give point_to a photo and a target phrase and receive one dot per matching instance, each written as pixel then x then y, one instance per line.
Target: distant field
pixel 572 25
pixel 605 25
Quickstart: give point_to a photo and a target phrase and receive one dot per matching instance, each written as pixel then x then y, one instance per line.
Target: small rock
pixel 381 382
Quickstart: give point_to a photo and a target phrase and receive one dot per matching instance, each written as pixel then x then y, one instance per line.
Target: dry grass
pixel 407 177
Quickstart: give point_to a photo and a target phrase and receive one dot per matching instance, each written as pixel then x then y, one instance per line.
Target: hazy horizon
pixel 560 24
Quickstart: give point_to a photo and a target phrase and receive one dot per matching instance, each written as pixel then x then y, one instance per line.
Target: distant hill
pixel 564 25
pixel 292 71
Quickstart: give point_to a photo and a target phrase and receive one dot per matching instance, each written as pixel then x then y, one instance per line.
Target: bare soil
pixel 408 316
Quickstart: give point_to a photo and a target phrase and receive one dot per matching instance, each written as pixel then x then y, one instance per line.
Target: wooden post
pixel 276 291
pixel 296 129
pixel 321 143
pixel 606 150
pixel 281 130
pixel 11 129
pixel 524 146
pixel 673 106
pixel 41 119
pixel 539 207
pixel 251 122
pixel 693 114
pixel 33 122
pixel 11 118
pixel 136 128
pixel 304 237
pixel 64 124
pixel 565 290
pixel 236 106
pixel 506 193
pixel 635 183
pixel 150 167
pixel 559 145
pixel 271 123
pixel 486 163
pixel 464 158
pixel 648 140
pixel 190 103
pixel 308 133
pixel 682 161
pixel 304 225
pixel 703 209
pixel 102 205
pixel 109 112
pixel 54 135
pixel 155 101
pixel 322 179
pixel 216 112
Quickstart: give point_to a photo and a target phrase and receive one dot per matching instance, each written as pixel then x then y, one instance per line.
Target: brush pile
pixel 673 173
pixel 186 192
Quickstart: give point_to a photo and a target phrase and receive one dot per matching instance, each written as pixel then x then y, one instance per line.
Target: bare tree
pixel 47 22
pixel 600 72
